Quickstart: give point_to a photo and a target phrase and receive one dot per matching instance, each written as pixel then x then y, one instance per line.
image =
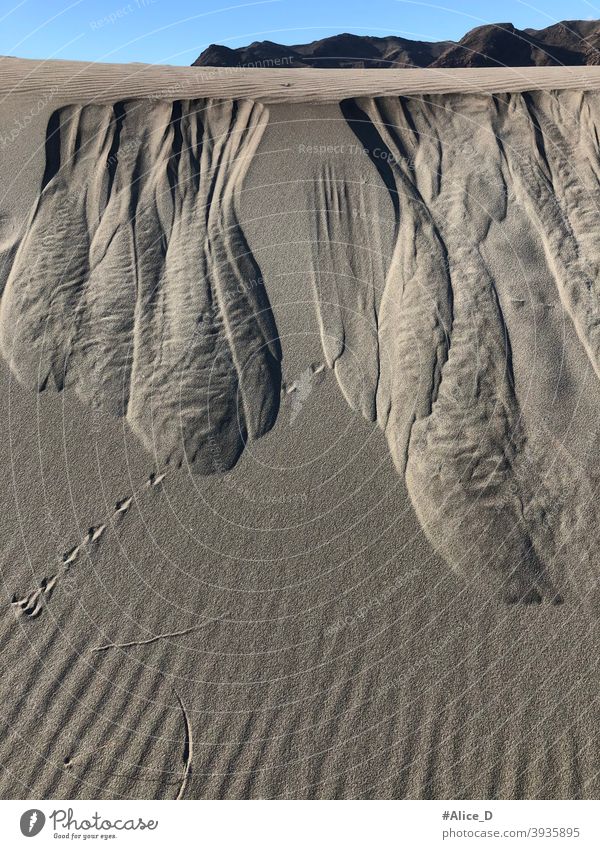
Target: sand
pixel 299 433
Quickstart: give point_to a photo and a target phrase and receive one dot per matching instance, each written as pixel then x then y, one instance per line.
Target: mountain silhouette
pixel 492 45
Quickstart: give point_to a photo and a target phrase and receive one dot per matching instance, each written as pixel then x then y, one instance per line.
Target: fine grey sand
pixel 299 433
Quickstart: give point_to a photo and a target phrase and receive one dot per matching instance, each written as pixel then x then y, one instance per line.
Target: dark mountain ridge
pixel 491 45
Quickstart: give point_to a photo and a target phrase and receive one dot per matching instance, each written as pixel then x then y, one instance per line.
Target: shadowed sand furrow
pixel 158 313
pixel 51 267
pixel 494 487
pixel 212 380
pixel 216 331
pixel 415 315
pixel 461 456
pixel 129 238
pixel 551 177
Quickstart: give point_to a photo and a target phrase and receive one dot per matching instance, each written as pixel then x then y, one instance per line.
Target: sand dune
pixel 134 285
pixel 370 324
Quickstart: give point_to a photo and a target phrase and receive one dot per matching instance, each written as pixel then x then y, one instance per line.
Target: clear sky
pixel 176 31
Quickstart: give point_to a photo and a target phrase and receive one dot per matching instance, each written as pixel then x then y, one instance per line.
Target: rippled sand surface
pixel 299 408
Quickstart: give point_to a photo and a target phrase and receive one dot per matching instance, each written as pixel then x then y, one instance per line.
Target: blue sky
pixel 176 31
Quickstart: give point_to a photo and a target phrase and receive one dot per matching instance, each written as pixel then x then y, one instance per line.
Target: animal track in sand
pixel 32 604
pixel 298 384
pixel 123 505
